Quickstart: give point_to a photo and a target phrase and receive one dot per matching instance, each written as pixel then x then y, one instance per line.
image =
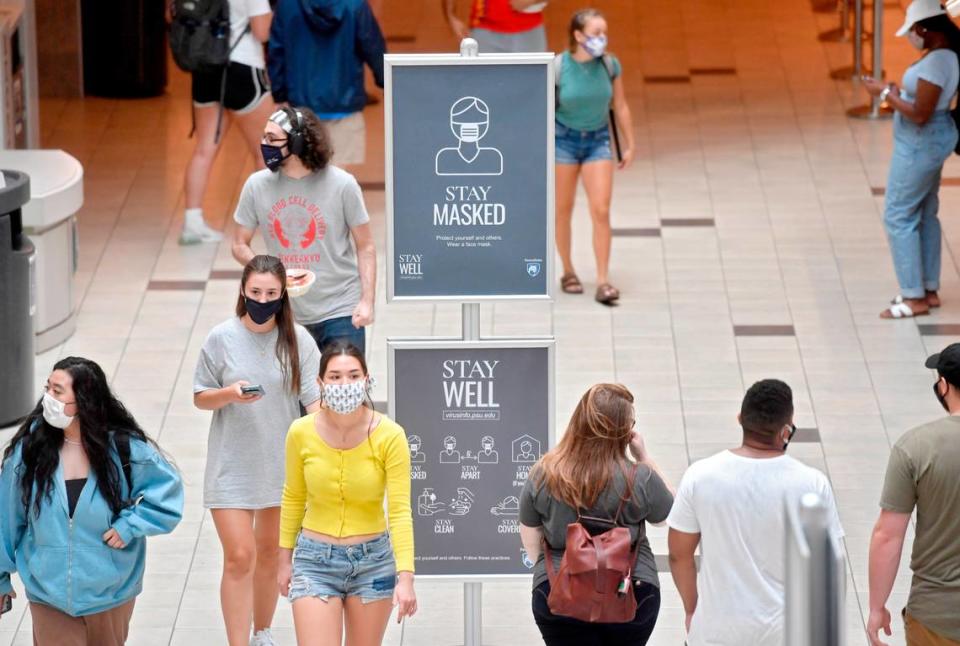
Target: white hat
pixel 920 10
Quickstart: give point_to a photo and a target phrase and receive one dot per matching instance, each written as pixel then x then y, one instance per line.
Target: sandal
pixel 570 284
pixel 933 299
pixel 607 294
pixel 900 310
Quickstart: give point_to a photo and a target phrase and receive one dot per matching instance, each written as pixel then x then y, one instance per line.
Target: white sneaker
pixel 199 234
pixel 262 638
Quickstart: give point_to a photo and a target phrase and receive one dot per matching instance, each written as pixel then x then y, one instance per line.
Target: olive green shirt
pixel 924 472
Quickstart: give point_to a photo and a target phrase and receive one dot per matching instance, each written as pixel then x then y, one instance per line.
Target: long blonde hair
pixel 580 467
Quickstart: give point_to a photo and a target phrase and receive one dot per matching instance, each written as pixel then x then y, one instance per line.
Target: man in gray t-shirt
pixel 311 215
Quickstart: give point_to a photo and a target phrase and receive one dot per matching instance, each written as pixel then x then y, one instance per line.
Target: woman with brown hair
pixel 585 478
pixel 344 563
pixel 254 371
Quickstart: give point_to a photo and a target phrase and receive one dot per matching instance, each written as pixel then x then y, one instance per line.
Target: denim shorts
pixel 581 146
pixel 366 570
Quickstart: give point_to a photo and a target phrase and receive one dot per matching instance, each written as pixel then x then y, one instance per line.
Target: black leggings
pixel 564 631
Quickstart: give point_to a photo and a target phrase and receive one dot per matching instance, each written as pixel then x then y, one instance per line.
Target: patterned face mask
pixel 346 398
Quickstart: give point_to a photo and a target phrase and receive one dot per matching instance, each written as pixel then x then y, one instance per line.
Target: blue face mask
pixel 272 156
pixel 596 46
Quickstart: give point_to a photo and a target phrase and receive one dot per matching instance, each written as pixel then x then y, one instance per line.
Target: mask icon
pixel 469 123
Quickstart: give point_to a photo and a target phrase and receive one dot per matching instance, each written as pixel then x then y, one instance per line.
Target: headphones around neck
pixel 296 138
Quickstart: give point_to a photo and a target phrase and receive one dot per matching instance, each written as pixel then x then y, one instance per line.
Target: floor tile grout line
pixel 186 580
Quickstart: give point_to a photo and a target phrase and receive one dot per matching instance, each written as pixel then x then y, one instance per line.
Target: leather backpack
pixel 594 582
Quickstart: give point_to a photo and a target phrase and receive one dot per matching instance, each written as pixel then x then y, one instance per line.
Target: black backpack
pixel 200 34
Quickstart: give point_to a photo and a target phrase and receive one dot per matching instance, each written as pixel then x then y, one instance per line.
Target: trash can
pixel 124 47
pixel 18 389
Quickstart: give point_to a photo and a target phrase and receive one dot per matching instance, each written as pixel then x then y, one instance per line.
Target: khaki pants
pixel 54 628
pixel 349 138
pixel 920 635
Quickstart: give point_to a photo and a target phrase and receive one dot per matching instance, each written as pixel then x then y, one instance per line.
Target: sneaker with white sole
pixel 198 235
pixel 262 638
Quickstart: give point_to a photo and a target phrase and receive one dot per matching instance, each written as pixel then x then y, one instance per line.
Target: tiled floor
pixel 741 134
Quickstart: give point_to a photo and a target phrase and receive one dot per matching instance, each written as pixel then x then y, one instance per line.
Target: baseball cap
pixel 947 363
pixel 920 10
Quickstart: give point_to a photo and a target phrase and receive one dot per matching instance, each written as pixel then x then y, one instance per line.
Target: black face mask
pixel 940 398
pixel 273 156
pixel 259 312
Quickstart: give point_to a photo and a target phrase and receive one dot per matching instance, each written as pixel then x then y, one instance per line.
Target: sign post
pixel 470 213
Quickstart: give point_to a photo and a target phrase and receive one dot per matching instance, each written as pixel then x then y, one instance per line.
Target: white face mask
pixel 596 46
pixel 916 40
pixel 345 398
pixel 469 132
pixel 53 412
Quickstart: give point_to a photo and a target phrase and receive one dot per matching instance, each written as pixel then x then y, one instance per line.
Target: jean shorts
pixel 366 570
pixel 581 146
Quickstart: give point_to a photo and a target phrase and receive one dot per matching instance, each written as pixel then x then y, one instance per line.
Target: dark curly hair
pixel 767 408
pixel 319 148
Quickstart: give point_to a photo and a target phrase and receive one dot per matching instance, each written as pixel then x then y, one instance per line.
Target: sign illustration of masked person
pixel 469 121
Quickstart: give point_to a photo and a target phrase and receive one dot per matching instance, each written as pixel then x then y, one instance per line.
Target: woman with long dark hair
pixel 255 370
pixel 924 135
pixel 586 477
pixel 81 488
pixel 339 566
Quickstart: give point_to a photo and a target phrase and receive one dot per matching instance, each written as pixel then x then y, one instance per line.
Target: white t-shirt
pixel 249 50
pixel 939 67
pixel 736 504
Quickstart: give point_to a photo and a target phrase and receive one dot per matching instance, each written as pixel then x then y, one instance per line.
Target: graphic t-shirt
pixel 736 505
pixel 306 223
pixel 924 473
pixel 498 15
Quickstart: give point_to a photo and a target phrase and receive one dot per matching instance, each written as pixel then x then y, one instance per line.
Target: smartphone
pixel 7 604
pixel 252 389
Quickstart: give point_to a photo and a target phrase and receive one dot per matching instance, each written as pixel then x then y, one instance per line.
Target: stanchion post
pixel 472 614
pixel 875 110
pixel 842 33
pixel 854 71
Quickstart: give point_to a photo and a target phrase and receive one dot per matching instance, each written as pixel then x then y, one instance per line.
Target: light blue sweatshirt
pixel 64 562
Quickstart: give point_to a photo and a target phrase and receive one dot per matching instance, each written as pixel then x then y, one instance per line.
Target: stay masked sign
pixel 477 418
pixel 470 176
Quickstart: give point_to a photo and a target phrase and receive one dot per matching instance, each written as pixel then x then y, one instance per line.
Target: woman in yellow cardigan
pixel 338 564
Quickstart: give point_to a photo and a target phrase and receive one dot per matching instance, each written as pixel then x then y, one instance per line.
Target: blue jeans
pixel 338 329
pixel 581 146
pixel 912 202
pixel 366 570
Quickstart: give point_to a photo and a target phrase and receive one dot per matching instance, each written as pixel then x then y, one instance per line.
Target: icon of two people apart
pixel 469 121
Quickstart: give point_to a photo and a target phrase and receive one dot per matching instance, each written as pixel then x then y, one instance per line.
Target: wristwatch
pixel 885 93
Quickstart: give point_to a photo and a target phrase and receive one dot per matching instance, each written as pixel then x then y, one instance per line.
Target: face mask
pixel 793 431
pixel 262 312
pixel 596 46
pixel 470 132
pixel 272 156
pixel 345 398
pixel 53 412
pixel 916 40
pixel 940 398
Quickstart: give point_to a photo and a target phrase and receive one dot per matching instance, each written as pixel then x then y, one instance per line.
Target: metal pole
pixel 854 71
pixel 842 33
pixel 472 614
pixel 470 322
pixel 875 110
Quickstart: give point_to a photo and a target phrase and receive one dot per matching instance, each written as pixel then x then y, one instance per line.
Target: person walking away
pixel 241 93
pixel 734 502
pixel 588 479
pixel 316 56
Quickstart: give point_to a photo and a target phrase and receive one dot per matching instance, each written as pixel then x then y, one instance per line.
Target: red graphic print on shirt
pixel 296 223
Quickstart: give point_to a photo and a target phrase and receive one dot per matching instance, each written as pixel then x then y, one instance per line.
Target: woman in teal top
pixel 588 81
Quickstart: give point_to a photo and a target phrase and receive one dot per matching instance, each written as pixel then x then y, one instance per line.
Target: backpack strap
pixel 607 60
pixel 557 69
pixel 223 82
